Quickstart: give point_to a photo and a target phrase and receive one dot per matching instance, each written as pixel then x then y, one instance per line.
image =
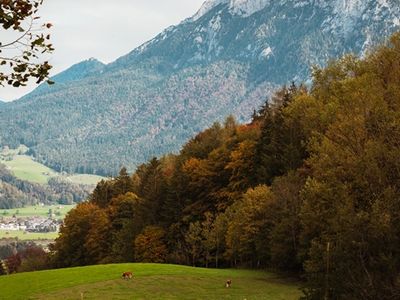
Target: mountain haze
pixel 226 59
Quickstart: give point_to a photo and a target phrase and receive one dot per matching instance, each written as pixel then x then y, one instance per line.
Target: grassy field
pixel 40 211
pixel 24 236
pixel 84 179
pixel 151 281
pixel 26 168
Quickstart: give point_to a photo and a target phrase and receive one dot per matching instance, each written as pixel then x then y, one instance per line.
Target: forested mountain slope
pixel 224 60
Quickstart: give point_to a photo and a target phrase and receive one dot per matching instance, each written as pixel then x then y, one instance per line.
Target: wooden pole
pixel 328 248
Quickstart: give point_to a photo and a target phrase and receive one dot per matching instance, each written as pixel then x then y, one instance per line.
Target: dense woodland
pixel 310 186
pixel 16 193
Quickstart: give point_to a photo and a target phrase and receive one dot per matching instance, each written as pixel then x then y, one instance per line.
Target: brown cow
pixel 228 283
pixel 127 275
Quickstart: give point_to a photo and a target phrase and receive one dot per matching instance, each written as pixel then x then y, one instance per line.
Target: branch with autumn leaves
pixel 20 57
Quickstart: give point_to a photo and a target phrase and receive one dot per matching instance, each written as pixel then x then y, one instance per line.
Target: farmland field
pixel 84 179
pixel 26 168
pixel 151 281
pixel 39 211
pixel 21 235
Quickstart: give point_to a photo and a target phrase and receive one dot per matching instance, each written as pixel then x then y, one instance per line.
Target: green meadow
pixel 151 281
pixel 84 179
pixel 28 236
pixel 38 210
pixel 26 168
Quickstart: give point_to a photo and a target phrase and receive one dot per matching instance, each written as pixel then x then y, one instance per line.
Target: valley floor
pixel 151 281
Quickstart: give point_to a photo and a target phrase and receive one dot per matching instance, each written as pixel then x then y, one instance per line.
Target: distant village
pixel 30 224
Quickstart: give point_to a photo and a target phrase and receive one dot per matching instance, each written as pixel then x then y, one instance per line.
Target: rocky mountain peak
pixel 243 8
pixel 344 8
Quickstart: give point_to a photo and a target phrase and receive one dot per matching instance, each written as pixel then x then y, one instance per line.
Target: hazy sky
pixel 104 29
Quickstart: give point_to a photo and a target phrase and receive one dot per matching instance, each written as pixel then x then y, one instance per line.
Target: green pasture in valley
pixel 25 168
pixel 84 179
pixel 40 211
pixel 151 281
pixel 21 235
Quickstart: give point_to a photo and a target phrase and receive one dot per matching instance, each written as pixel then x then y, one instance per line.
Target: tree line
pixel 310 186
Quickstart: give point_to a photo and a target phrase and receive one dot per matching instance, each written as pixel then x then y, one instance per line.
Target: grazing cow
pixel 228 283
pixel 127 275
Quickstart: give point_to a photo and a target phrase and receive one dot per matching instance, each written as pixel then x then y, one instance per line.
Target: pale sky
pixel 103 29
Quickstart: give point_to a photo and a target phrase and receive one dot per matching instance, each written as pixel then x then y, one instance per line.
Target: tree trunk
pixel 216 258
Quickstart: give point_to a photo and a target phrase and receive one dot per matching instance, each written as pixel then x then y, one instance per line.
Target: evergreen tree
pixel 127 219
pixel 152 189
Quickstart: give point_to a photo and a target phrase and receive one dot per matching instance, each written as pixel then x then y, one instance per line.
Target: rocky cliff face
pixel 279 39
pixel 223 60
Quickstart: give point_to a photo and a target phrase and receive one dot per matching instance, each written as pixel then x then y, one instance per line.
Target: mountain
pixel 79 71
pixel 226 59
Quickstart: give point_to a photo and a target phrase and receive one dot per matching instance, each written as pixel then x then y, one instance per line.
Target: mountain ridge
pixel 219 62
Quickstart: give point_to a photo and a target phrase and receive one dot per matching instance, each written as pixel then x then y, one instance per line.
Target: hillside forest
pixel 309 187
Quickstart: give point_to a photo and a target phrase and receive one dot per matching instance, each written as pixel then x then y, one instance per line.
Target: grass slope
pixel 38 210
pixel 86 179
pixel 151 281
pixel 24 167
pixel 27 169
